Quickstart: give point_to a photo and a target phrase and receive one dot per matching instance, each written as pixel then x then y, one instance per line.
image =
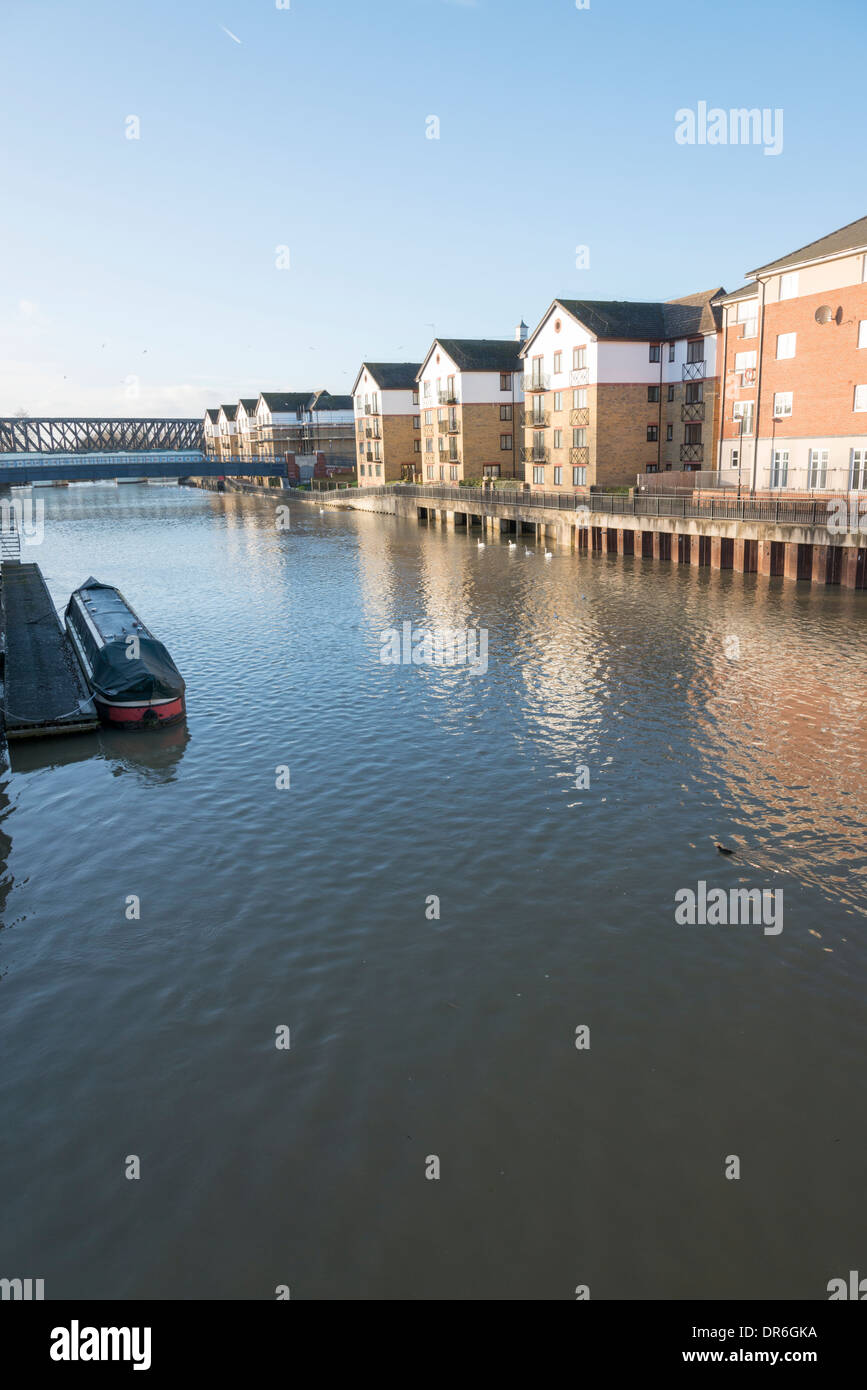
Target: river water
pixel 432 907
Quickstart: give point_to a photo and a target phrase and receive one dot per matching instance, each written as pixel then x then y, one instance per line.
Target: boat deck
pixel 44 689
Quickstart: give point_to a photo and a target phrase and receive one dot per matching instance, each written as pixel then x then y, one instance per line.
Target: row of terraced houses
pixel 764 389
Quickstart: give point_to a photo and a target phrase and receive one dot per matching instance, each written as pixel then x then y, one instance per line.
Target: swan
pixel 513 545
pixel 527 552
pixel 480 544
pixel 548 554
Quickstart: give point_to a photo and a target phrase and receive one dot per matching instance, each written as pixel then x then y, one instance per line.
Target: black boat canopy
pixel 152 675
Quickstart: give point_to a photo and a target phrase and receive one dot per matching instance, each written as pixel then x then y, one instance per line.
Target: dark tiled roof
pixel 283 402
pixel 695 313
pixel 230 411
pixel 393 376
pixel 647 320
pixel 745 292
pixel 483 354
pixel 213 415
pixel 249 403
pixel 323 400
pixel 849 238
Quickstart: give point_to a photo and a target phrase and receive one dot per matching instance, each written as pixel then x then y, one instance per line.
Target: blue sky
pixel 140 275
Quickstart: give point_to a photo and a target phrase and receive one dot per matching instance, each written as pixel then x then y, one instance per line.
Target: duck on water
pixel 134 682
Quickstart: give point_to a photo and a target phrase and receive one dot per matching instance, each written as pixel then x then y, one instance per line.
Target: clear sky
pixel 149 265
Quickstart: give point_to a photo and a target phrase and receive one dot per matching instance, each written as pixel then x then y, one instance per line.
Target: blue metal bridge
pixel 81 449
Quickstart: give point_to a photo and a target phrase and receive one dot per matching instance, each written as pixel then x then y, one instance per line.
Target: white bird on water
pixel 513 545
pixel 480 544
pixel 321 511
pixel 548 554
pixel 527 552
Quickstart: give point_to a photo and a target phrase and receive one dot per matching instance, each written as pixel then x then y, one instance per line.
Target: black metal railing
pixel 694 371
pixel 537 420
pixel 580 455
pixel 692 453
pixel 580 417
pixel 692 410
pixel 447 397
pixel 784 512
pixel 535 453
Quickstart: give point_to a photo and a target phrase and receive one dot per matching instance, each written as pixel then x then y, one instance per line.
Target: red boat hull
pixel 140 716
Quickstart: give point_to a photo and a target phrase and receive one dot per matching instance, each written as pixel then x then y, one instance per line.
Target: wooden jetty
pixel 44 691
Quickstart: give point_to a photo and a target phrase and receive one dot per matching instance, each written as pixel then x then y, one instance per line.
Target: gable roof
pixel 745 292
pixel 479 354
pixel 852 237
pixel 213 415
pixel 284 402
pixel 323 400
pixel 641 320
pixel 390 376
pixel 249 403
pixel 230 411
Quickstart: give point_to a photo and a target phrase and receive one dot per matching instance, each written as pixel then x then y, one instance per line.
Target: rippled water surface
pixel 414 1036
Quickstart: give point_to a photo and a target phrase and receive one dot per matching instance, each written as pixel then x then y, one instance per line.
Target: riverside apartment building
pixel 615 388
pixel 387 421
pixel 794 414
pixel 471 402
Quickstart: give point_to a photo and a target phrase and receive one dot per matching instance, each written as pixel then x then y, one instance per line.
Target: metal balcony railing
pixel 442 426
pixel 692 453
pixel 454 425
pixel 580 376
pixel 535 453
pixel 580 417
pixel 537 420
pixel 580 456
pixel 447 396
pixel 536 381
pixel 694 371
pixel 692 410
pixel 374 410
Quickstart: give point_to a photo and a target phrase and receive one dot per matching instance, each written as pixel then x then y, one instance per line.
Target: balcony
pixel 694 371
pixel 692 453
pixel 373 432
pixel 374 410
pixel 536 381
pixel 442 426
pixel 538 420
pixel 535 453
pixel 580 417
pixel 448 458
pixel 580 376
pixel 692 410
pixel 454 425
pixel 580 456
pixel 447 396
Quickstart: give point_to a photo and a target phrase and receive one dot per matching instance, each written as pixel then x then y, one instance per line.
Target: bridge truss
pixel 77 435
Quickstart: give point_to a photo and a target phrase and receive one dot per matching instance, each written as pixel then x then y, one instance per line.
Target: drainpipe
pixel 663 349
pixel 759 361
pixel 723 378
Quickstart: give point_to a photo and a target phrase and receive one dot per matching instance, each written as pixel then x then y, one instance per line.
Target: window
pixel 783 404
pixel 453 472
pixel 780 468
pixel 652 394
pixel 361 470
pixel 743 410
pixel 579 439
pixel 416 422
pixel 558 477
pixel 692 434
pixel 415 397
pixel 579 358
pixel 428 417
pixel 379 470
pixel 538 473
pixel 734 458
pixel 745 361
pixel 450 387
pixel 505 441
pixel 669 433
pixel 671 393
pixel 579 397
pixel 442 472
pixel 858 469
pixel 786 345
pixel 695 351
pixel 505 381
pixel 558 362
pixel 429 470
pixel 862 334
pixel 748 317
pixel 426 386
pixel 428 446
pixel 652 434
pixel 860 398
pixel 818 471
pixel 789 285
pixel 694 392
pixel 579 477
pixel 416 446
pixel 491 470
pixel 558 439
pixel 671 352
pixel 505 412
pixel 558 400
pixel 654 352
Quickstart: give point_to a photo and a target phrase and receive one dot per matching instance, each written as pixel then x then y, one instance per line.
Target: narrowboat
pixel 134 682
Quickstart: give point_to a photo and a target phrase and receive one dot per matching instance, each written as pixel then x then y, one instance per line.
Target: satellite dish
pixel 824 313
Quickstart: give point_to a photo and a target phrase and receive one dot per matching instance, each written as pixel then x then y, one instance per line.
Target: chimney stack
pixel 521 332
